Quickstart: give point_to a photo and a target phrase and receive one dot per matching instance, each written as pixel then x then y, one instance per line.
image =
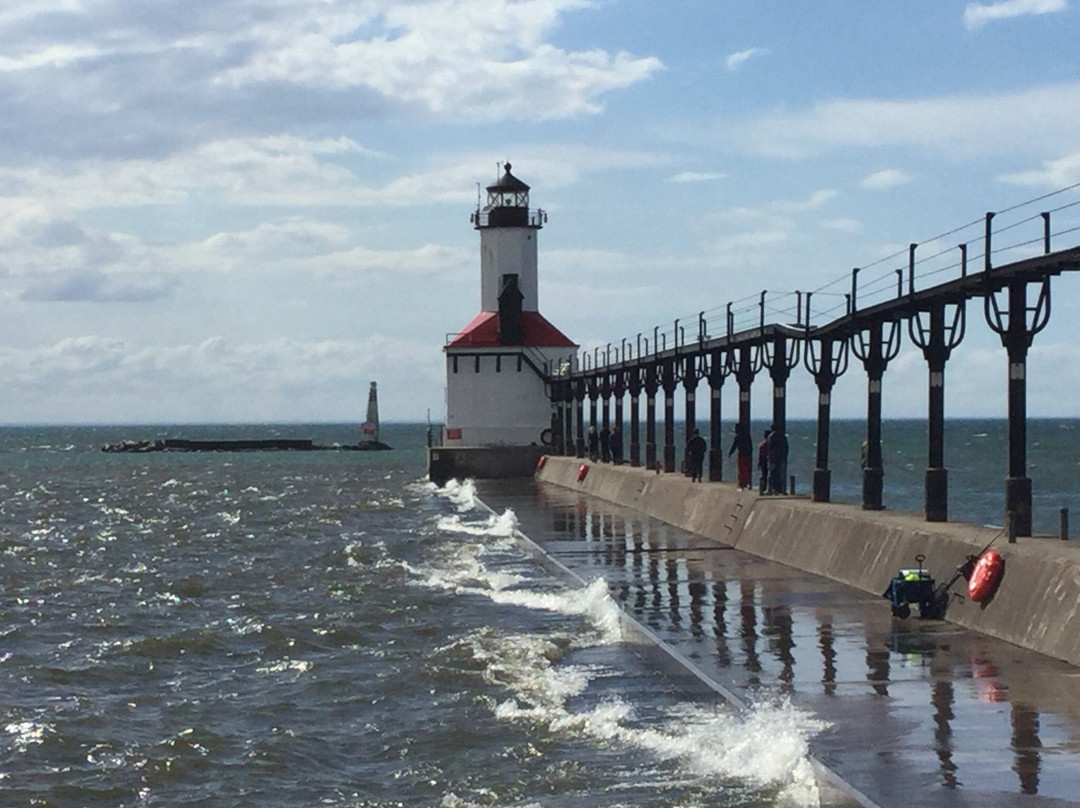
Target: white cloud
pixel 1042 118
pixel 887 178
pixel 91 78
pixel 815 201
pixel 486 60
pixel 843 225
pixel 1054 173
pixel 979 14
pixel 116 381
pixel 698 176
pixel 277 170
pixel 735 61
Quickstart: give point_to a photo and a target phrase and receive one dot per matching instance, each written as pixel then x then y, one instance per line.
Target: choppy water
pixel 327 628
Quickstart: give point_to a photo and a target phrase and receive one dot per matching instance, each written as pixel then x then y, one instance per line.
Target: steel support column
pixel 876 350
pixel 579 399
pixel 826 363
pixel 690 380
pixel 633 386
pixel 669 382
pixel 937 338
pixel 568 435
pixel 718 371
pixel 618 389
pixel 1017 328
pixel 651 386
pixel 780 361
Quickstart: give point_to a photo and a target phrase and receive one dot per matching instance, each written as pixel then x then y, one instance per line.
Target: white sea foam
pixel 462 568
pixel 230 518
pixel 592 602
pixel 768 746
pixel 461 494
pixel 502 525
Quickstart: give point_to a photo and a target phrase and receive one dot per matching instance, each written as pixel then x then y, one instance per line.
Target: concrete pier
pixel 1036 606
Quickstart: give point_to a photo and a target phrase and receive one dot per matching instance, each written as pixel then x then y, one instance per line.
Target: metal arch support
pixel 594 395
pixel 634 386
pixel 827 362
pixel 569 401
pixel 720 367
pixel 691 373
pixel 651 386
pixel 618 388
pixel 937 338
pixel 875 349
pixel 669 380
pixel 579 396
pixel 1017 328
pixel 747 366
pixel 780 361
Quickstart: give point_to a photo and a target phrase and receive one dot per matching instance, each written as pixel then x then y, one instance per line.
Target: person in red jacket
pixel 745 448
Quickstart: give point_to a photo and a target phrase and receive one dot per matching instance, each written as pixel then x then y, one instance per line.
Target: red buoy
pixel 583 469
pixel 986 576
pixel 540 463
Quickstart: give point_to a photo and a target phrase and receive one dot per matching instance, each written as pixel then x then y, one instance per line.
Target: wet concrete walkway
pixel 923 713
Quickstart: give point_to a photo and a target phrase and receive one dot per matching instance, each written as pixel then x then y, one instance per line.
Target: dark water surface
pixel 327 629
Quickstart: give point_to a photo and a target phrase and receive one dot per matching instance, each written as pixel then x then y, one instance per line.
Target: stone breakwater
pixel 1037 605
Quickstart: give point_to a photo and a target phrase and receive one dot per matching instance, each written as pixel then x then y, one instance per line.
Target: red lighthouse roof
pixel 483 332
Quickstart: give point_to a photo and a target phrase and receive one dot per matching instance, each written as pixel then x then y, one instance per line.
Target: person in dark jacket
pixel 763 462
pixel 745 448
pixel 778 452
pixel 616 445
pixel 695 455
pixel 594 444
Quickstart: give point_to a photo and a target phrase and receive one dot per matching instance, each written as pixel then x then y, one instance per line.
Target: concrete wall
pixel 1036 605
pixel 484 462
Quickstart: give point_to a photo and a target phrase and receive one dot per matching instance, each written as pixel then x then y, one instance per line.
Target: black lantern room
pixel 507 204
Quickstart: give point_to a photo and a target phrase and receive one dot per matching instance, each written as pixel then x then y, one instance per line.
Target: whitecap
pixel 498 525
pixel 461 494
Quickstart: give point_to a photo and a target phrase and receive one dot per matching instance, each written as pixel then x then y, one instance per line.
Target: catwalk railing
pixel 922 290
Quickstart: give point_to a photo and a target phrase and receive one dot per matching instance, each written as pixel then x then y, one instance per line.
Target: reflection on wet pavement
pixel 917 707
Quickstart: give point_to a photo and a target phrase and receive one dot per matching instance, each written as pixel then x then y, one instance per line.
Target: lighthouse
pixel 499 365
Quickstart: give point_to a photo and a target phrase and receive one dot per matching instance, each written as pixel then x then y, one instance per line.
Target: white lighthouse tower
pixel 496 367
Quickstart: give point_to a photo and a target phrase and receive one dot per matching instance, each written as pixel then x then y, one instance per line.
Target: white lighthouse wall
pixel 508 251
pixel 507 407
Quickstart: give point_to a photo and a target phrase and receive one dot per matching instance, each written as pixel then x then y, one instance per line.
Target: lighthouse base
pixel 482 462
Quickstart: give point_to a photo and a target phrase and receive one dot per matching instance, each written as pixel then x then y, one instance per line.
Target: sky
pixel 247 210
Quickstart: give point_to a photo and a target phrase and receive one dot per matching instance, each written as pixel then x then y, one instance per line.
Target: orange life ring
pixel 583 469
pixel 986 576
pixel 540 463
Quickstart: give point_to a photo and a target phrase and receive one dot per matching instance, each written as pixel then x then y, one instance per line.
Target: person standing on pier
pixel 744 445
pixel 616 445
pixel 594 444
pixel 777 447
pixel 763 462
pixel 695 455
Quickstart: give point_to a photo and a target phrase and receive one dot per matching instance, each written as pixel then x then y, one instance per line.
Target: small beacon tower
pixel 497 367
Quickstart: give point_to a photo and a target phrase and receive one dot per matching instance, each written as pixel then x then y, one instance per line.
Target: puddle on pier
pixel 916 707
